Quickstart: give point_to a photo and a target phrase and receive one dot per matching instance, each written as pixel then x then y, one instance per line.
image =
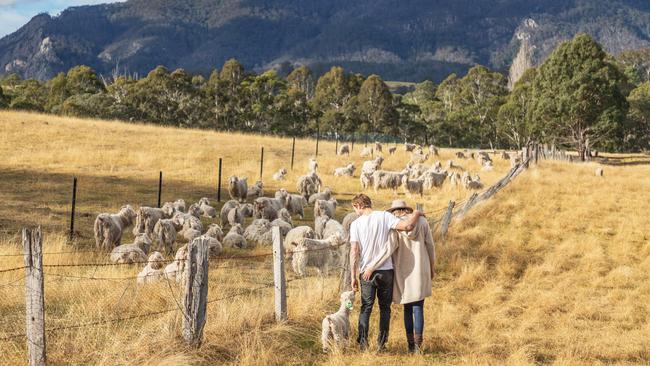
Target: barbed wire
pixel 12 269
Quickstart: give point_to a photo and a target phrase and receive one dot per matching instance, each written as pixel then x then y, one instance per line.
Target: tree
pixel 376 105
pixel 4 100
pixel 636 133
pixel 333 91
pixel 512 121
pixel 83 80
pixel 577 95
pixel 28 95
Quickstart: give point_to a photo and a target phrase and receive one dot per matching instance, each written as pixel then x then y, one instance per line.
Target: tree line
pixel 580 98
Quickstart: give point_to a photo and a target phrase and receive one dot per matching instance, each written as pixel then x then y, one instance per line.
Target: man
pixel 369 237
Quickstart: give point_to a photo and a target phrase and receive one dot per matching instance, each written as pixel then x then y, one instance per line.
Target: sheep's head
pixel 194 210
pixel 168 209
pixel 204 201
pixel 259 184
pixel 347 299
pixel 128 212
pixel 215 231
pixel 236 229
pixel 156 260
pixel 233 180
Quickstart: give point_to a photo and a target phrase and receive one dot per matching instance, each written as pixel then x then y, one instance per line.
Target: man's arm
pixel 409 224
pixel 354 265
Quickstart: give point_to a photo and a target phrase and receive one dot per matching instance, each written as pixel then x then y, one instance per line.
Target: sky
pixel 15 13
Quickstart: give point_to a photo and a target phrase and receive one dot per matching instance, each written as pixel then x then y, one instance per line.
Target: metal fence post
pixel 74 205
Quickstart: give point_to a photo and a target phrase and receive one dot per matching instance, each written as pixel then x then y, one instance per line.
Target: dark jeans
pixel 414 317
pixel 380 285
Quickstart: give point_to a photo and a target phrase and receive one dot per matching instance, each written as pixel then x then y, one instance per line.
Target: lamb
pixel 433 150
pixel 336 327
pixel 110 227
pixel 238 188
pixel 312 165
pixel 146 219
pixel 387 180
pixel 235 216
pixel 344 150
pixel 409 147
pixel 391 150
pixel 366 152
pixel 370 166
pixel 346 171
pixel 153 271
pixel 306 186
pixel 434 179
pixel 215 231
pixel 325 207
pixel 176 269
pixel 259 233
pixel 378 147
pixel 206 209
pixel 234 238
pixel 256 190
pixel 165 235
pixel 264 208
pixel 412 186
pixel 460 155
pixel 225 209
pixel 294 235
pixel 313 253
pixel 280 174
pixel 325 195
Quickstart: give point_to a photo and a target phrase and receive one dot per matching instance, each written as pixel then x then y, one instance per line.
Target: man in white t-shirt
pixel 368 237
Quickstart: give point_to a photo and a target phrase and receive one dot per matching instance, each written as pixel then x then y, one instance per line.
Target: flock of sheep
pixel 322 247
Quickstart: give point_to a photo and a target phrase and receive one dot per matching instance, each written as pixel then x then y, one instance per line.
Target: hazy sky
pixel 15 13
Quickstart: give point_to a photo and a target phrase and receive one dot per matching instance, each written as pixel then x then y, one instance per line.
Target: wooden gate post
pixel 196 291
pixel 446 219
pixel 34 296
pixel 278 276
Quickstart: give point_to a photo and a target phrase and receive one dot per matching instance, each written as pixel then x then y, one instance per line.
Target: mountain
pixel 397 39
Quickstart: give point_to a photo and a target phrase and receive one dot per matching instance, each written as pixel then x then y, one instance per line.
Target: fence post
pixel 74 205
pixel 446 219
pixel 366 145
pixel 159 188
pixel 352 149
pixel 34 296
pixel 196 291
pixel 336 148
pixel 219 183
pixel 262 163
pixel 293 151
pixel 278 276
pixel 317 139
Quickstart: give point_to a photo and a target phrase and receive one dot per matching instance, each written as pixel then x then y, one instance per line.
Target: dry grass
pixel 554 270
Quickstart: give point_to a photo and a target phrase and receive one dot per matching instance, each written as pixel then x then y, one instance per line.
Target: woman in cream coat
pixel 413 255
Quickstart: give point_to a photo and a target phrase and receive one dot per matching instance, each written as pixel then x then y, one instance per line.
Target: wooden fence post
pixel 159 188
pixel 262 163
pixel 196 291
pixel 219 183
pixel 317 139
pixel 278 276
pixel 446 219
pixel 293 151
pixel 344 278
pixel 469 204
pixel 74 205
pixel 352 149
pixel 336 148
pixel 34 296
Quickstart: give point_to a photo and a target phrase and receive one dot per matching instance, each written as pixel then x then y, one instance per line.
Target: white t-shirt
pixel 371 232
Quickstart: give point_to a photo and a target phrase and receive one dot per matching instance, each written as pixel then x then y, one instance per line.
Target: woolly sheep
pixel 473 183
pixel 505 155
pixel 190 234
pixel 433 179
pixel 237 188
pixel 415 171
pixel 370 166
pixel 347 222
pixel 235 216
pixel 264 208
pixel 176 269
pixel 312 253
pixel 460 155
pixel 366 152
pixel 256 190
pixel 318 183
pixel 409 147
pixel 324 195
pixel 285 215
pixel 170 208
pixel 306 186
pixel 378 147
pixel 344 150
pixel 280 174
pixel 391 150
pixel 146 219
pixel 346 171
pixel 334 230
pixel 215 231
pixel 419 158
pixel 383 179
pixel 259 233
pixel 153 271
pixel 165 235
pixel 110 227
pixel 319 225
pixel 454 179
pixel 225 209
pixel 452 166
pixel 412 186
pixel 325 207
pixel 246 209
pixel 336 327
pixel 206 209
pixel 312 165
pixel 214 245
pixel 143 242
pixel 234 238
pixel 294 203
pixel 128 253
pixel 433 150
pixel 294 235
pixel 284 226
pixel 366 180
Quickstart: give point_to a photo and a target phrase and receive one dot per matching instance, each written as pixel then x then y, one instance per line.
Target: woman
pixel 413 255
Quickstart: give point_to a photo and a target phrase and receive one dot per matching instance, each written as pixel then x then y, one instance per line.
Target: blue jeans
pixel 414 317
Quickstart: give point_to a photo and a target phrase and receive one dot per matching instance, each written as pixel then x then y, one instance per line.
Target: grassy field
pixel 553 270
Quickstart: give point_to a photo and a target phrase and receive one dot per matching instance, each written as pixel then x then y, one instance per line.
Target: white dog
pixel 336 327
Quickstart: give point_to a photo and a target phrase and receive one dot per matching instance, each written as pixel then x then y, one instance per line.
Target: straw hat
pixel 399 205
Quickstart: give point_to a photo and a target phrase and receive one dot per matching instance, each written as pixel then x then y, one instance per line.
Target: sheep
pixel 246 209
pixel 206 209
pixel 146 220
pixel 336 327
pixel 319 225
pixel 333 229
pixel 295 204
pixel 366 180
pixel 235 216
pixel 505 155
pixel 110 227
pixel 419 158
pixel 143 242
pixel 366 152
pixel 215 231
pixel 460 155
pixel 473 183
pixel 436 167
pixel 256 190
pixel 418 150
pixel 234 238
pixel 387 180
pixel 434 179
pixel 265 208
pixel 347 222
pixel 313 253
pixel 214 245
pixel 170 208
pixel 324 195
pixel 416 170
pixel 599 172
pixel 195 210
pixel 312 165
pixel 184 222
pixel 294 235
pixel 409 147
pixel 237 188
pixel 306 186
pixel 280 174
pixel 346 171
pixel 433 150
pixel 487 166
pixel 344 150
pixel 165 235
pixel 285 215
pixel 412 186
pixel 318 183
pixel 284 226
pixel 153 271
pixel 370 166
pixel 454 179
pixel 378 147
pixel 259 233
pixel 128 253
pixel 225 209
pixel 391 150
pixel 190 234
pixel 325 207
pixel 176 269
